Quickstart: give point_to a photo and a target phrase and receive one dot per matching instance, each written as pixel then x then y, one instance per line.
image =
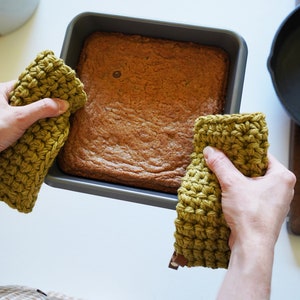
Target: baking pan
pixel 85 24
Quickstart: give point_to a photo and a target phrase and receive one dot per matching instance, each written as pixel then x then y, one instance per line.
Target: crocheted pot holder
pixel 24 165
pixel 201 236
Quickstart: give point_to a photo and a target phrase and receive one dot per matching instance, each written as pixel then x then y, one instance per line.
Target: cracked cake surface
pixel 144 95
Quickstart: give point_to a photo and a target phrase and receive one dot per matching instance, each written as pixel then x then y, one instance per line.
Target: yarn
pixel 202 234
pixel 24 165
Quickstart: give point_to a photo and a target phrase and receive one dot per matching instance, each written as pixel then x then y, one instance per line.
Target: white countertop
pixel 99 248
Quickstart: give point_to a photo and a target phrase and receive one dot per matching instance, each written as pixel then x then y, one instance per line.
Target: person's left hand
pixel 14 120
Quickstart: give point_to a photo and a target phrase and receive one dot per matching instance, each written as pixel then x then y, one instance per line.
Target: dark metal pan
pixel 284 67
pixel 284 64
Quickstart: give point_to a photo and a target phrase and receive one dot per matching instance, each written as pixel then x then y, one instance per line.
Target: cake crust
pixel 144 95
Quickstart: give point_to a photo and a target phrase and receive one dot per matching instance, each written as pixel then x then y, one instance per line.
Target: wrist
pixel 249 271
pixel 252 252
pixel 251 237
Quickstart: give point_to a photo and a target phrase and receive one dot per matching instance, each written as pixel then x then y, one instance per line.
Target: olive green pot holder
pixel 24 165
pixel 201 235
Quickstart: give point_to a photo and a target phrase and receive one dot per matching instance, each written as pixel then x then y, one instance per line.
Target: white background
pixel 100 248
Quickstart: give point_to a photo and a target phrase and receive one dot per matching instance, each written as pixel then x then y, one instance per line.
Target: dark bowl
pixel 284 64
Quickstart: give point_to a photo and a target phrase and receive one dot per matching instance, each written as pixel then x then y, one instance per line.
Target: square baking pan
pixel 84 25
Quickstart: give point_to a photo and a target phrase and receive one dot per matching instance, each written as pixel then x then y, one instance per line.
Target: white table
pixel 99 248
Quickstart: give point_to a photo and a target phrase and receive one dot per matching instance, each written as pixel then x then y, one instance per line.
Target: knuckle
pixel 48 106
pixel 230 181
pixel 290 178
pixel 45 104
pixel 216 161
pixel 287 178
pixel 19 115
pixel 226 173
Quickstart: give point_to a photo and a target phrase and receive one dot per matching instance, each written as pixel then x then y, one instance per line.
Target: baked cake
pixel 144 95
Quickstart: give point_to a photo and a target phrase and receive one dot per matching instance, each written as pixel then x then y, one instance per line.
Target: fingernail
pixel 63 105
pixel 207 151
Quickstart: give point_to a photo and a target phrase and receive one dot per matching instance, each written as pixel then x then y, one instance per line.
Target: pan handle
pixel 294 156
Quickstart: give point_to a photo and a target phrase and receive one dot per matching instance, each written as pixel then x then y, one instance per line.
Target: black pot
pixel 284 64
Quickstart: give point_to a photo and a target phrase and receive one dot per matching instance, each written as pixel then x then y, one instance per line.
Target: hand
pixel 254 209
pixel 252 206
pixel 14 120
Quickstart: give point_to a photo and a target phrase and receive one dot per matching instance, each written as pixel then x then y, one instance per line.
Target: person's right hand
pixel 253 207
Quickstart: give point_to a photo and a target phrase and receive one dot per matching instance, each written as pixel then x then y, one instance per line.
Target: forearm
pixel 249 273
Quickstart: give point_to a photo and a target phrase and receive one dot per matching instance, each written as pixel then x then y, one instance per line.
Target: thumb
pixel 221 166
pixel 44 108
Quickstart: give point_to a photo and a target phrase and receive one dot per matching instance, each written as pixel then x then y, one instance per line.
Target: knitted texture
pixel 201 236
pixel 24 165
pixel 16 292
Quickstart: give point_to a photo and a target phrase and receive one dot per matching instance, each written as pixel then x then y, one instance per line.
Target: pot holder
pixel 201 235
pixel 24 165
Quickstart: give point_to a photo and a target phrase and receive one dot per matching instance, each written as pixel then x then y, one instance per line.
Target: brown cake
pixel 144 95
